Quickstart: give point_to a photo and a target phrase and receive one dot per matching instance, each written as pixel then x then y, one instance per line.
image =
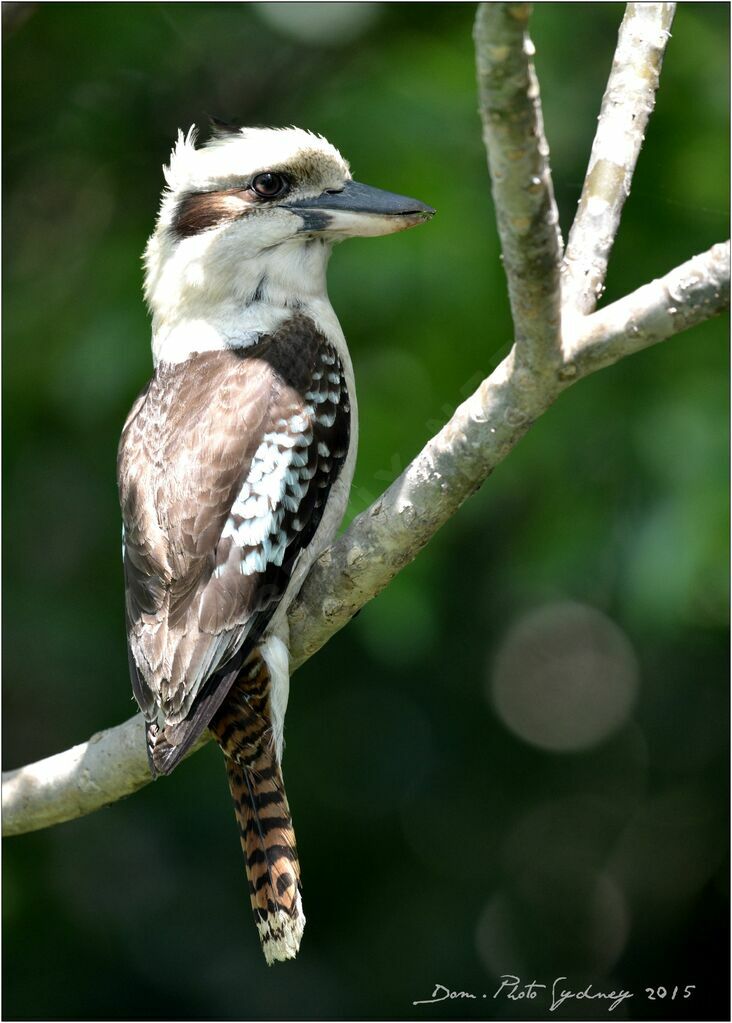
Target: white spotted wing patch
pixel 298 457
pixel 275 484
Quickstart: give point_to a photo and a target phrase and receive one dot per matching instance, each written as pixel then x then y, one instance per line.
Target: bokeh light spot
pixel 565 678
pixel 320 23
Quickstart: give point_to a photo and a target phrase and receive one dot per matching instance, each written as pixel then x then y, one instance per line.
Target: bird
pixel 235 461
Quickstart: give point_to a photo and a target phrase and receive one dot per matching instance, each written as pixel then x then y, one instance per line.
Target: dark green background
pixel 436 844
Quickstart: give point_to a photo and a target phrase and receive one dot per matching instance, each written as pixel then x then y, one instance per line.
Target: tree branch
pixel 626 106
pixel 521 182
pixel 693 292
pixel 389 534
pixel 112 764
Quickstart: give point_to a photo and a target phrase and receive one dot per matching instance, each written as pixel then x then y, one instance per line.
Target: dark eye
pixel 269 185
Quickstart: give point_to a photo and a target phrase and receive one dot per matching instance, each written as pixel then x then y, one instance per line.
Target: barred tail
pixel 243 730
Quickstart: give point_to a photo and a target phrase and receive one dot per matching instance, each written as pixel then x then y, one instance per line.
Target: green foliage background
pixel 437 845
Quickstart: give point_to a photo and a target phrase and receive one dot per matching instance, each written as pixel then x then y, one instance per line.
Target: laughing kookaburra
pixel 236 461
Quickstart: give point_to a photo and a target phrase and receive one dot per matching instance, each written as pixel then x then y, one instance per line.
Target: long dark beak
pixel 358 209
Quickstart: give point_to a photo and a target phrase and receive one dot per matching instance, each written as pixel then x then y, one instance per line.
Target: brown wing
pixel 224 472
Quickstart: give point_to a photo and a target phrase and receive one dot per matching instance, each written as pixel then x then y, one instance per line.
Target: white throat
pixel 204 296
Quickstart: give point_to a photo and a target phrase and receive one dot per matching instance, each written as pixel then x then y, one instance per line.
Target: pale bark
pixel 521 181
pixel 688 295
pixel 451 467
pixel 112 764
pixel 626 107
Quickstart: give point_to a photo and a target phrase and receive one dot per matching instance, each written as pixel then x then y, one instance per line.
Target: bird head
pixel 256 203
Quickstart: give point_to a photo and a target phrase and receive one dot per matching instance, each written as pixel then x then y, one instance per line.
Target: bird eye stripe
pixel 200 211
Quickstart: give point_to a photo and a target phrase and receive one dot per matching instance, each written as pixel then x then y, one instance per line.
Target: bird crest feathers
pixel 234 153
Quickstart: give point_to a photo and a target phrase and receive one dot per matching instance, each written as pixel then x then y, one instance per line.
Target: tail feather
pixel 243 730
pixel 268 842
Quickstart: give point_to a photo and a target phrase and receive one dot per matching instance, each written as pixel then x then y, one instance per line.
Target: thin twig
pixel 626 106
pixel 523 194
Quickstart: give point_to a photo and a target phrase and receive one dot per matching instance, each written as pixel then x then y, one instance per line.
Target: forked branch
pixel 454 463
